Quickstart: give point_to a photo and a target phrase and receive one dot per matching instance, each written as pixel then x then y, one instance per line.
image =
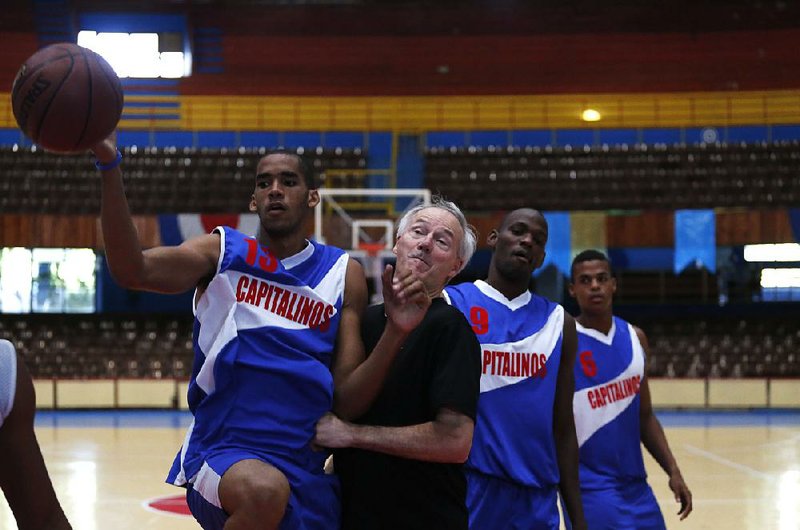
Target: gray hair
pixel 470 240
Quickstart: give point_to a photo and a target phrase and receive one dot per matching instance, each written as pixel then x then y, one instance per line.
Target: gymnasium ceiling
pixel 467 17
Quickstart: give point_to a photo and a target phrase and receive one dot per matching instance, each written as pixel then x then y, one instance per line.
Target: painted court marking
pixel 724 461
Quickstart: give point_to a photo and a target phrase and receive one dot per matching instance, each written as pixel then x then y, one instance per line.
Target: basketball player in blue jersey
pixel 524 450
pixel 23 475
pixel 269 312
pixel 613 412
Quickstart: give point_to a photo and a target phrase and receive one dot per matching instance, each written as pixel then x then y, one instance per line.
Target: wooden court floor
pixel 743 469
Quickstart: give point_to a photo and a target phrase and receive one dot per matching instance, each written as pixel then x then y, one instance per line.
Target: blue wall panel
pixel 308 140
pixel 10 136
pixel 489 138
pixel 697 135
pixel 618 136
pixel 343 139
pixel 747 134
pixel 532 137
pixel 173 138
pixel 259 139
pixel 661 136
pixel 138 138
pixel 217 139
pixel 446 139
pixel 785 132
pixel 575 137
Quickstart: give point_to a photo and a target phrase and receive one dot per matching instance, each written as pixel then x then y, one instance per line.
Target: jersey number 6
pixel 587 363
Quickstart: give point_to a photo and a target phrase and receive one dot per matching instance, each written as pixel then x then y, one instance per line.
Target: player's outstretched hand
pixel 682 495
pixel 405 298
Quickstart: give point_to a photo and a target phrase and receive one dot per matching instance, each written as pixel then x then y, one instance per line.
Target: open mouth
pixel 521 254
pixel 276 207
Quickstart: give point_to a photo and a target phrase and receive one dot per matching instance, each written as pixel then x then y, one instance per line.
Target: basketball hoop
pixel 374 264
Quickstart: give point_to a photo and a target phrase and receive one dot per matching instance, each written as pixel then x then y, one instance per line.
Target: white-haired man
pixel 402 466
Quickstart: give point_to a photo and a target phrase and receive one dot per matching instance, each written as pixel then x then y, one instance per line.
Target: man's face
pixel 429 247
pixel 592 286
pixel 281 197
pixel 519 243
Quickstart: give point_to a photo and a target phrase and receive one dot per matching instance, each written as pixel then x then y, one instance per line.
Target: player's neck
pixel 508 288
pixel 283 247
pixel 600 321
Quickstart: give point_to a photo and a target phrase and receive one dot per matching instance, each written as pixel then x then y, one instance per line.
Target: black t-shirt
pixel 438 366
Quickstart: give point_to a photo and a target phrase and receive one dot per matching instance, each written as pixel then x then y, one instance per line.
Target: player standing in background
pixel 524 450
pixel 613 412
pixel 23 474
pixel 269 311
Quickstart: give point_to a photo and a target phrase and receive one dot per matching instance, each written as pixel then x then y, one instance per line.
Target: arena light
pixel 591 115
pixel 780 278
pixel 772 253
pixel 134 54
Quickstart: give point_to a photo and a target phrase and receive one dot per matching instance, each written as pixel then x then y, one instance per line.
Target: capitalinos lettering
pixel 515 364
pixel 285 302
pixel 614 391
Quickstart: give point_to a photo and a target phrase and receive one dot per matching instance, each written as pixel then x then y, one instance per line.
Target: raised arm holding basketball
pixel 277 317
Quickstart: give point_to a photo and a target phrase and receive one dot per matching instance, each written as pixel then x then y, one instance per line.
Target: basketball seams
pixel 63 80
pixel 89 96
pixel 55 106
pixel 21 81
pixel 116 87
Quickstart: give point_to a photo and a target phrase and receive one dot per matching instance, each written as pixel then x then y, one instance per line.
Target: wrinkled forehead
pixel 438 218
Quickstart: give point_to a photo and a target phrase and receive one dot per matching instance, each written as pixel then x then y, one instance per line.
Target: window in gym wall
pixel 47 280
pixel 141 55
pixel 15 280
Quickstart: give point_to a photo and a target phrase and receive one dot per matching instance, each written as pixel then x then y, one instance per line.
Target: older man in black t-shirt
pixel 402 468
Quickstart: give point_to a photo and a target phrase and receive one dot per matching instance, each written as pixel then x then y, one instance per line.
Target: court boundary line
pixel 724 461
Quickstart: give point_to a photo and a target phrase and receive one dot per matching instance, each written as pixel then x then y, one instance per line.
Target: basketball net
pixel 373 263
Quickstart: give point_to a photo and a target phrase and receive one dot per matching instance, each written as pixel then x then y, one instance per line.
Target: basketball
pixel 66 98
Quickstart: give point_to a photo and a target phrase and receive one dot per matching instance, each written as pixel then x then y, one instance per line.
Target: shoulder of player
pixel 640 334
pixel 442 314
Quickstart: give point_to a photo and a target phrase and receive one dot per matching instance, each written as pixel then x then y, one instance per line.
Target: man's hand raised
pixel 405 299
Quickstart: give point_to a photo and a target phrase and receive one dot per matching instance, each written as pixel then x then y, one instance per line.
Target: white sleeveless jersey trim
pixel 181 479
pixel 333 283
pixel 499 297
pixel 8 378
pixel 300 257
pixel 206 483
pixel 446 297
pixel 598 335
pixel 221 232
pixel 542 342
pixel 217 328
pixel 588 420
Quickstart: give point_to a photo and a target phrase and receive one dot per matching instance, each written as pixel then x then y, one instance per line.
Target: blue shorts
pixel 313 502
pixel 495 503
pixel 630 506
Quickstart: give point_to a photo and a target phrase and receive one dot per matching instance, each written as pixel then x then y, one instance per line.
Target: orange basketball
pixel 66 98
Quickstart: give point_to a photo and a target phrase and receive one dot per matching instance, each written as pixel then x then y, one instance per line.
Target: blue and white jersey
pixel 608 372
pixel 264 335
pixel 521 352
